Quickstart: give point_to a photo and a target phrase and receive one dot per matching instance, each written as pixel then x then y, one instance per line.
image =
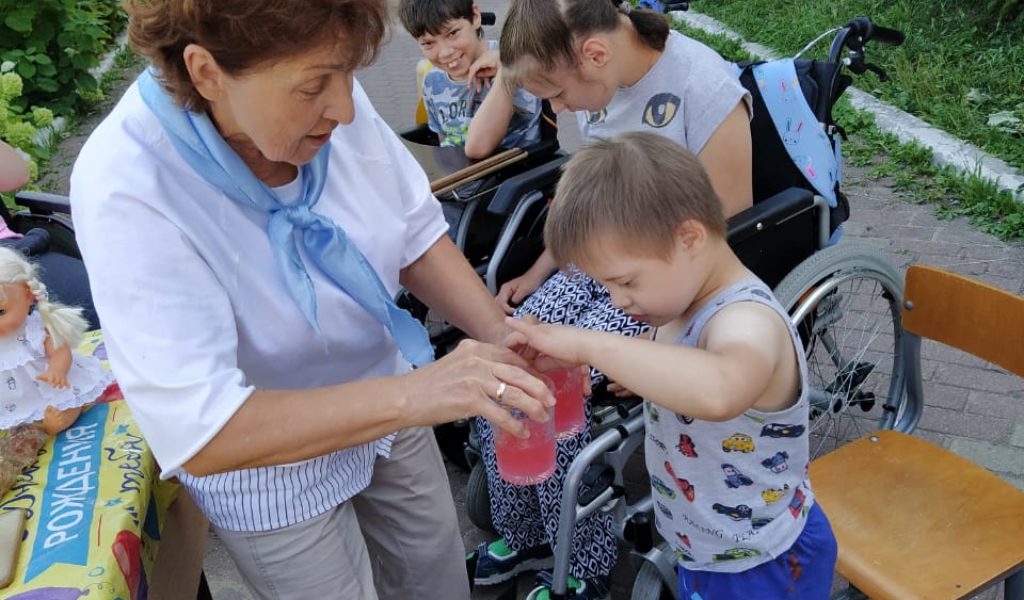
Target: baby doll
pixel 41 378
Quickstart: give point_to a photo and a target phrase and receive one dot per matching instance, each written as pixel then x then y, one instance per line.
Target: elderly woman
pixel 246 218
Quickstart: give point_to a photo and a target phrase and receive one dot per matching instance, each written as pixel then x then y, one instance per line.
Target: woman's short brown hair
pixel 244 34
pixel 638 187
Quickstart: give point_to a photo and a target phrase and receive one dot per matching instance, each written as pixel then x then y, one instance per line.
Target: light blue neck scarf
pixel 204 149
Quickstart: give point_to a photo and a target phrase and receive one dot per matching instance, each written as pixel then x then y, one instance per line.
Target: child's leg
pixel 594 547
pixel 804 572
pixel 514 509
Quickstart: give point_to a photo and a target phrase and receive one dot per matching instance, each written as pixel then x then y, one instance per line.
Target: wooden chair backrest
pixel 422 68
pixel 967 314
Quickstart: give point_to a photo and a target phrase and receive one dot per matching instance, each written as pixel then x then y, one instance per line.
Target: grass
pixel 961 68
pixel 908 165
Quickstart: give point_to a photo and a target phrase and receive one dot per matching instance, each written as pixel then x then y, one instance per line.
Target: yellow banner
pixel 95 508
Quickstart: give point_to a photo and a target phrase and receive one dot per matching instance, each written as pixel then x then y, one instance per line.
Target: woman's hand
pixel 516 290
pixel 477 379
pixel 483 70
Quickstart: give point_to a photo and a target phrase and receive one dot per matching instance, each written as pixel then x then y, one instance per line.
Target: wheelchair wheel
pixel 451 440
pixel 845 302
pixel 478 498
pixel 649 585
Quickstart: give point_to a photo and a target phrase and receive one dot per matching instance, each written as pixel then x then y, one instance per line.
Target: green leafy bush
pixel 53 44
pixel 20 129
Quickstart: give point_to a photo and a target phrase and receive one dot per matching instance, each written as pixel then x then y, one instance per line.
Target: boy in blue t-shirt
pixel 723 377
pixel 463 107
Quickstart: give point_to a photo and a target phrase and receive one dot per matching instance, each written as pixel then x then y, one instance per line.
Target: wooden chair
pixel 912 519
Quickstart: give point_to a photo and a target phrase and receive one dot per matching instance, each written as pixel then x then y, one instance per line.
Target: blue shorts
pixel 803 572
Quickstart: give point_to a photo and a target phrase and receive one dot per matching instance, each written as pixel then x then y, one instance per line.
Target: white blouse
pixel 196 314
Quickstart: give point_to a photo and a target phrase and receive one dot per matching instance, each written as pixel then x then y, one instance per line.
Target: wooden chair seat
pixel 914 520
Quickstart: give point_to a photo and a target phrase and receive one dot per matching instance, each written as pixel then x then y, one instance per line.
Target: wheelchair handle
pixel 866 30
pixel 42 203
pixel 854 36
pixel 885 35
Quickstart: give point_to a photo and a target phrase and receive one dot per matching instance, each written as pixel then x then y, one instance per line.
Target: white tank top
pixel 730 495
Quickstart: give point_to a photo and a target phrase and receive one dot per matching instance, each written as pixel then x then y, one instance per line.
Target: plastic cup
pixel 567 386
pixel 526 461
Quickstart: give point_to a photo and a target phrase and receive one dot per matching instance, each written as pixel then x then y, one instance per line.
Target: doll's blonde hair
pixel 64 324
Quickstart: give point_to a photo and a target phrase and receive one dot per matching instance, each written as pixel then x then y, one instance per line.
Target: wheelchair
pixel 844 298
pixel 474 226
pixel 486 218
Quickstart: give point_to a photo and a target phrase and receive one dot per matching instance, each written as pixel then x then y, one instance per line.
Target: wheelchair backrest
pixel 774 170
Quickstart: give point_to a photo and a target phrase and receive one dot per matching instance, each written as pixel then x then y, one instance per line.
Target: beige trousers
pixel 398 538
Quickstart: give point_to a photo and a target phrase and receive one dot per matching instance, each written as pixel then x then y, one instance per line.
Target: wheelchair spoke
pixel 850 344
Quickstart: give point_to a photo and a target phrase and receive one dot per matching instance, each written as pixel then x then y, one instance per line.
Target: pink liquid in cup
pixel 567 386
pixel 526 461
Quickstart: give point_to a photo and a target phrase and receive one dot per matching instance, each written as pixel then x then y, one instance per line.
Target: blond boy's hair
pixel 637 187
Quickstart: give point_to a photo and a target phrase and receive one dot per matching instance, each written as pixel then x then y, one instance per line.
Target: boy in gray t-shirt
pixel 463 107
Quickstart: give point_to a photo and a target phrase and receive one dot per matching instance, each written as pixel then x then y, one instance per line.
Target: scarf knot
pixel 298 215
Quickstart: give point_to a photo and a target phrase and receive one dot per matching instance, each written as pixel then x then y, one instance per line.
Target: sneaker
pixel 496 562
pixel 579 589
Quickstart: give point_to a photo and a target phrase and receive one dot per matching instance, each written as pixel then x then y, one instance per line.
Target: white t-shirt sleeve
pixel 168 324
pixel 423 216
pixel 713 95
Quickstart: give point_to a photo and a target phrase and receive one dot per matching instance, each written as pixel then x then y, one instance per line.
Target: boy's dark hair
pixel 636 186
pixel 429 16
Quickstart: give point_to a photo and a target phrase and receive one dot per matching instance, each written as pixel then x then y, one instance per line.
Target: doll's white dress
pixel 23 398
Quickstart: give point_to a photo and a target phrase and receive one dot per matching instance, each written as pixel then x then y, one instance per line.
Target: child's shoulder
pixel 748 318
pixel 437 83
pixel 746 314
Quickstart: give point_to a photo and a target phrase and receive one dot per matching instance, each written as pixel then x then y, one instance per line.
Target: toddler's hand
pixel 55 379
pixel 559 346
pixel 515 291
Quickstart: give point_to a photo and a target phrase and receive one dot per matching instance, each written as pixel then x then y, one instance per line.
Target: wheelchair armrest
pixel 776 234
pixel 41 203
pixel 421 134
pixel 768 213
pixel 542 149
pixel 514 188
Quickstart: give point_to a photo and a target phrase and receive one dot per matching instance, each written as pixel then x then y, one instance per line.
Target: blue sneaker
pixel 578 589
pixel 497 563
